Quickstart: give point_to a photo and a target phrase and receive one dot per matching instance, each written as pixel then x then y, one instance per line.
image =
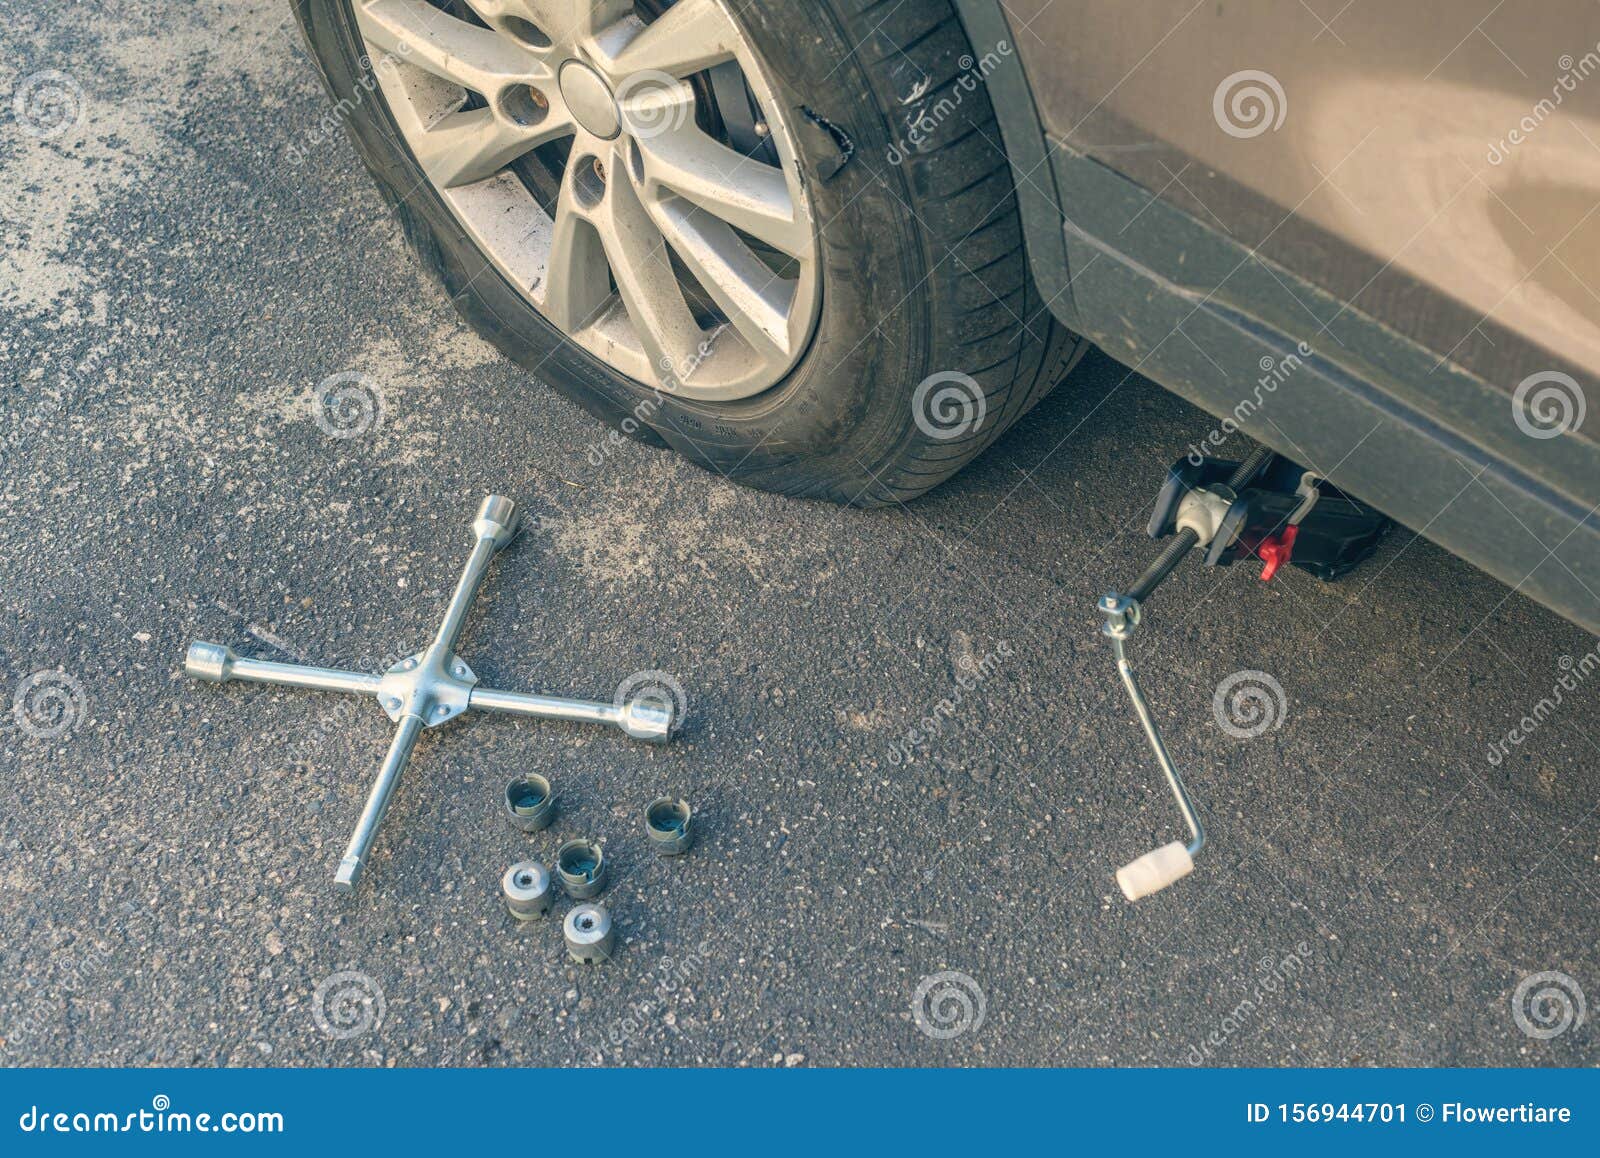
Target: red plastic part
pixel 1275 551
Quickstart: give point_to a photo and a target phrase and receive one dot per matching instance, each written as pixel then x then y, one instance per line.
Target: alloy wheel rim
pixel 672 256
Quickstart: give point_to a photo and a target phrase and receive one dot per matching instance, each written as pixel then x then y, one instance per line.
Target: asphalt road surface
pixel 185 263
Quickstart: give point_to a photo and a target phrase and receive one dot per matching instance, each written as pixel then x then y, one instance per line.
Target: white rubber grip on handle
pixel 1155 870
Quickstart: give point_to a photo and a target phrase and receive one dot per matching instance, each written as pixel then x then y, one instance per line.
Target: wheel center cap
pixel 589 98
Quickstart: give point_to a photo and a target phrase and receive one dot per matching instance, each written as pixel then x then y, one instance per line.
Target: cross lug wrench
pixel 431 687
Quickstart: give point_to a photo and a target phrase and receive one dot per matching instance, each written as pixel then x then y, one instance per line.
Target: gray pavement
pixel 174 288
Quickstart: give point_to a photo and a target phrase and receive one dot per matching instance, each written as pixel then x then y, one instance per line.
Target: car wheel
pixel 780 237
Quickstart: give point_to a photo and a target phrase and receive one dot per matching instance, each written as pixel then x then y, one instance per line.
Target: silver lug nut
pixel 590 937
pixel 527 890
pixel 667 821
pixel 530 805
pixel 581 865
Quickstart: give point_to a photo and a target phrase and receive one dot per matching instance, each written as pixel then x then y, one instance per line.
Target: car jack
pixel 432 687
pixel 1265 507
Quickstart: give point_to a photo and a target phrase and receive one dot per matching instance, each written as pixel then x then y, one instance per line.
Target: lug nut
pixel 527 890
pixel 581 865
pixel 590 937
pixel 530 805
pixel 667 823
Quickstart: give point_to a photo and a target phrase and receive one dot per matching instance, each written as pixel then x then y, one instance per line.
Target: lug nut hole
pixel 521 30
pixel 589 181
pixel 525 104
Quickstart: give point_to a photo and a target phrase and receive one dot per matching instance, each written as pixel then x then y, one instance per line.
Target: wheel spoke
pixel 577 283
pixel 561 21
pixel 755 299
pixel 689 36
pixel 476 58
pixel 746 194
pixel 468 146
pixel 642 266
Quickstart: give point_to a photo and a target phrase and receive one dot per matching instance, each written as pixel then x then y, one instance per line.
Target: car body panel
pixel 1201 263
pixel 1434 162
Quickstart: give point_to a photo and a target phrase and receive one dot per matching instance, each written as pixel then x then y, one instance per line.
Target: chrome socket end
pixel 497 519
pixel 211 662
pixel 591 938
pixel 530 805
pixel 528 891
pixel 668 822
pixel 581 865
pixel 647 719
